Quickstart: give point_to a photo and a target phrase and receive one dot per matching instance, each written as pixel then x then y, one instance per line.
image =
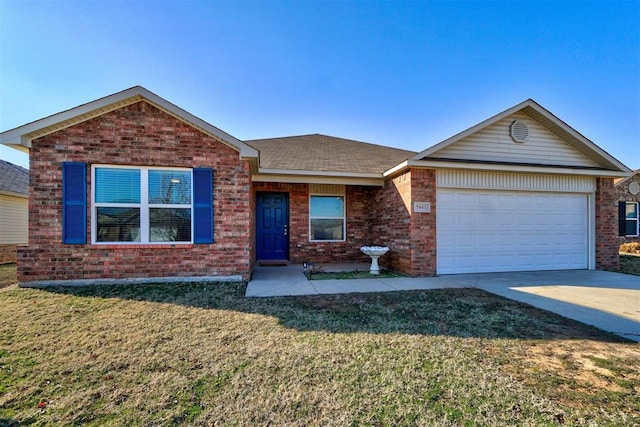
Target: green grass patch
pixel 7 275
pixel 630 264
pixel 202 354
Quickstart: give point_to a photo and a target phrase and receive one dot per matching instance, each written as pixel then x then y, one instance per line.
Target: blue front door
pixel 272 226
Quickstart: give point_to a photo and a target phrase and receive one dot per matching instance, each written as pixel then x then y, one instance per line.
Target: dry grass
pixel 630 248
pixel 7 275
pixel 204 354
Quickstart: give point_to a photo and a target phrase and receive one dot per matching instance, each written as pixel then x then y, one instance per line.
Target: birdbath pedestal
pixel 374 252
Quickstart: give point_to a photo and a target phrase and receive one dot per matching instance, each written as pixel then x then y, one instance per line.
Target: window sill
pixel 141 246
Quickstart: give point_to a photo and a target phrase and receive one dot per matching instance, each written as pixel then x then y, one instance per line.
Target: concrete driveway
pixel 609 301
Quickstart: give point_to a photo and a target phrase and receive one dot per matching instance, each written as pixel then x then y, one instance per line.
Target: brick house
pixel 132 186
pixel 628 203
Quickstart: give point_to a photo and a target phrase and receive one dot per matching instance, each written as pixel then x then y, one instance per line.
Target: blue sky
pixel 401 74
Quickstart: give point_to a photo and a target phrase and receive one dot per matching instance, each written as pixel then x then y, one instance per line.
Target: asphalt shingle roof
pixel 326 154
pixel 13 178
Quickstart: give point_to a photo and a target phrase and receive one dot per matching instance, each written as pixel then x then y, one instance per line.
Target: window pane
pixel 327 206
pixel 327 229
pixel 632 210
pixel 169 187
pixel 118 225
pixel 170 225
pixel 632 227
pixel 117 185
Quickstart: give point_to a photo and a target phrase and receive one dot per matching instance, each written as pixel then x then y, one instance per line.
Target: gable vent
pixel 519 131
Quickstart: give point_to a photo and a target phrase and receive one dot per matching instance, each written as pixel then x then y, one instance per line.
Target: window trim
pixel 344 216
pixel 144 205
pixel 636 219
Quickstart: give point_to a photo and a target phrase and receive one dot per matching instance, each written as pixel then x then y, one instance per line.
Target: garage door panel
pixel 491 231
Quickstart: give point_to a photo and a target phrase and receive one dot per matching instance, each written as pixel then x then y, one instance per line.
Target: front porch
pixel 290 280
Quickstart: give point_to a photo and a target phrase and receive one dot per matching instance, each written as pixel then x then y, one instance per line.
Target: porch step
pixel 273 262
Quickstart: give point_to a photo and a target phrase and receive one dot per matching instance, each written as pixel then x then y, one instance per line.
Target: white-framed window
pixel 632 222
pixel 141 205
pixel 327 219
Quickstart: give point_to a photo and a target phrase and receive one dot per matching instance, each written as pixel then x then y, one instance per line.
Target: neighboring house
pixel 628 200
pixel 14 210
pixel 131 185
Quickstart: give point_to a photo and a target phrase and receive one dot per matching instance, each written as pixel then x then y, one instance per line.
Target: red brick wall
pixel 358 202
pixel 392 222
pixel 623 195
pixel 606 226
pixel 411 237
pixel 8 253
pixel 140 135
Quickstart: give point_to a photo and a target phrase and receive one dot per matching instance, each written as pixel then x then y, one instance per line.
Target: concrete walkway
pixel 609 301
pixel 290 280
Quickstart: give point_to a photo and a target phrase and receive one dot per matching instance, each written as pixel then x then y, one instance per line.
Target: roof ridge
pixel 249 141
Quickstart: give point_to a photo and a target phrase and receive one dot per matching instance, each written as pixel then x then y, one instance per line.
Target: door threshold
pixel 273 262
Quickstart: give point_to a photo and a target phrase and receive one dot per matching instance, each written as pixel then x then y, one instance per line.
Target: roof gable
pixel 21 137
pixel 14 179
pixel 550 143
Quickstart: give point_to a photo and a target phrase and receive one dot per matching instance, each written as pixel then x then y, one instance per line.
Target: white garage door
pixel 492 231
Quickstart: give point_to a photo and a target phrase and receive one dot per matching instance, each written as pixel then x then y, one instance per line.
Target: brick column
pixel 607 257
pixel 423 225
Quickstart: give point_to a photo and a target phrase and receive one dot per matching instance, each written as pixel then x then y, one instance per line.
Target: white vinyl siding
pixel 494 144
pixel 14 219
pixel 515 181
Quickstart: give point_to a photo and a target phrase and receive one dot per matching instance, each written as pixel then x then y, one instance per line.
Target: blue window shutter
pixel 203 205
pixel 622 218
pixel 74 203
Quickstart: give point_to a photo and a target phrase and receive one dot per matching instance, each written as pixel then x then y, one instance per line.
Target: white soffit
pixel 622 181
pixel 22 136
pixel 546 119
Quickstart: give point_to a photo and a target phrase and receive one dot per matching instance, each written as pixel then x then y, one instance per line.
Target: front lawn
pixel 630 264
pixel 7 275
pixel 203 354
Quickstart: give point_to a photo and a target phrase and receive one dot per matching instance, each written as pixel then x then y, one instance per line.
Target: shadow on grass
pixel 447 312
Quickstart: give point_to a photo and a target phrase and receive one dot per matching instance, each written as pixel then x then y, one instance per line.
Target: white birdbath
pixel 374 252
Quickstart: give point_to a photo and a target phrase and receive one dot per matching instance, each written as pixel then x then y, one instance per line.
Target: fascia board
pixel 307 179
pixel 518 168
pixel 318 173
pixel 578 136
pixel 398 168
pixel 12 194
pixel 20 136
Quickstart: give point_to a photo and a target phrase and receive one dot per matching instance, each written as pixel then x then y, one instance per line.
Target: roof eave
pixel 267 171
pixel 22 136
pixel 491 167
pixel 13 194
pixel 318 177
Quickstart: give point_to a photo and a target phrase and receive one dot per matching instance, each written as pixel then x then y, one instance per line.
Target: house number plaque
pixel 422 207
